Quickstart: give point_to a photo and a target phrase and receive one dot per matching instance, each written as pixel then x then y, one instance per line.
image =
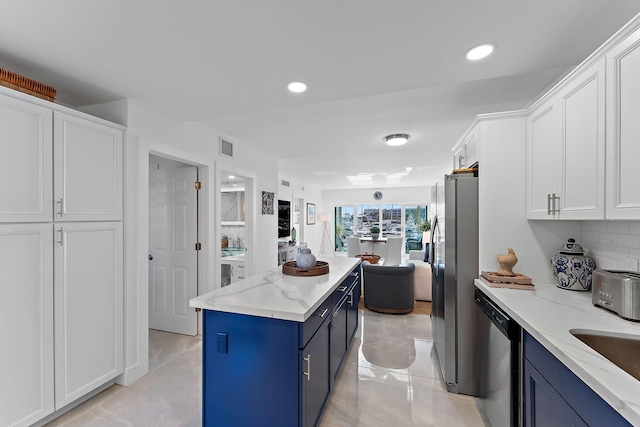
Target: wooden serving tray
pixel 289 268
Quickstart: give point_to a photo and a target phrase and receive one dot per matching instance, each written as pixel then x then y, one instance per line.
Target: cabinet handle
pixel 308 373
pixel 342 288
pixel 323 313
pixel 60 202
pixel 61 241
pixel 351 298
pixel 553 205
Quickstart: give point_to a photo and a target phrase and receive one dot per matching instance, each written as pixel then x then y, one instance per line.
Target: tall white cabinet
pixel 61 256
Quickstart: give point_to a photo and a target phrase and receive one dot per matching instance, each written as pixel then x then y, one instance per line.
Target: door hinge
pixel 198 185
pixel 198 246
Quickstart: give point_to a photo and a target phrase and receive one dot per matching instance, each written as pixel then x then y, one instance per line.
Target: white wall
pixel 310 234
pixel 502 209
pixel 148 134
pixel 610 243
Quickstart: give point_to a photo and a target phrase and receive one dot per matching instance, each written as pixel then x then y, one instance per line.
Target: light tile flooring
pixel 388 379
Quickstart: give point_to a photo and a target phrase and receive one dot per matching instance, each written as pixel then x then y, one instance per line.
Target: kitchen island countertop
pixel 550 313
pixel 274 295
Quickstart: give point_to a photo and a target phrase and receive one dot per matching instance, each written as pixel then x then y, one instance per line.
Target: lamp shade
pixel 324 217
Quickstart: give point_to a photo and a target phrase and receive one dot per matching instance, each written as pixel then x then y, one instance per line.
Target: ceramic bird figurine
pixel 506 263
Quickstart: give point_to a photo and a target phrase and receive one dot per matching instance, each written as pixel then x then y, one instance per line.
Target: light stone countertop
pixel 275 295
pixel 550 313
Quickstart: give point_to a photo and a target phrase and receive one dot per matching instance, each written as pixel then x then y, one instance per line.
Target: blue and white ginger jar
pixel 571 269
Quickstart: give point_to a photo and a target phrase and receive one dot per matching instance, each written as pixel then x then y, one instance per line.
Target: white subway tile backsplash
pixel 609 243
pixel 634 227
pixel 630 241
pixel 589 237
pixel 617 227
pixel 608 239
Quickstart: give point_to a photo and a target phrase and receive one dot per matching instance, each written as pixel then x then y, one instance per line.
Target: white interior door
pixel 173 260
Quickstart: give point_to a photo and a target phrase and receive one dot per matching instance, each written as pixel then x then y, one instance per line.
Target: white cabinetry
pixel 232 270
pixel 58 167
pixel 623 129
pixel 565 151
pixel 26 316
pixel 88 307
pixel 465 152
pixel 88 170
pixel 26 162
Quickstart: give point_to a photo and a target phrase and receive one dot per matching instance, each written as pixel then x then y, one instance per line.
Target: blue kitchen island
pixel 273 345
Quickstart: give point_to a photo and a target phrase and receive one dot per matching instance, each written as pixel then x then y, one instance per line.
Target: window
pixel 392 219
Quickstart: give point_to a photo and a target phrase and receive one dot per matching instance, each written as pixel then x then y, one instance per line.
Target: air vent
pixel 285 183
pixel 226 148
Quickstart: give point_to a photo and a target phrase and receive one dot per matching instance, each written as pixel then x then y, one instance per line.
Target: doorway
pixel 173 245
pixel 235 197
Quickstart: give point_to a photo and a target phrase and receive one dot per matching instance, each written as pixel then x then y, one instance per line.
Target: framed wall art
pixel 267 203
pixel 311 213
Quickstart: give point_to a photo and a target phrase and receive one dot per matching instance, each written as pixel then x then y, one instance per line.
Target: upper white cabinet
pixel 88 170
pixel 26 316
pixel 623 129
pixel 565 150
pixel 26 162
pixel 542 140
pixel 465 152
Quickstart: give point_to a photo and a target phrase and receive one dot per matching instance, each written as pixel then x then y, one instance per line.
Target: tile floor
pixel 388 379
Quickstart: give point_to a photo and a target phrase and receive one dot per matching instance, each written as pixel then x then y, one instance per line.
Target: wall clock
pixel 377 195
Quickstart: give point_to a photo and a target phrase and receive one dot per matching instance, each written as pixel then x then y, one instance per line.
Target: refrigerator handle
pixel 432 246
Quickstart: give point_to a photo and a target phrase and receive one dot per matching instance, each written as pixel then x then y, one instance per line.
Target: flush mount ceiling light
pixel 479 52
pixel 396 139
pixel 297 87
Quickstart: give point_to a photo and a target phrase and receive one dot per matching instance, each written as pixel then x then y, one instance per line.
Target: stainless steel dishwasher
pixel 499 364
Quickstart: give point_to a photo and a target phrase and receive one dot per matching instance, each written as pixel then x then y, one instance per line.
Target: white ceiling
pixel 373 67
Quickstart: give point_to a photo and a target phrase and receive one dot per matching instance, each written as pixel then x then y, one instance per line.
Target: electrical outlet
pixel 631 264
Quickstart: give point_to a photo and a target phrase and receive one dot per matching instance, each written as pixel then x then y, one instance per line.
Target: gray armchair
pixel 388 289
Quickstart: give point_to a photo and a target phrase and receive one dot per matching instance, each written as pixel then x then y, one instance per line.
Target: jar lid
pixel 571 247
pixel 305 251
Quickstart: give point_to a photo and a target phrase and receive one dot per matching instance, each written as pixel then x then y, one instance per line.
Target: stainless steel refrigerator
pixel 454 266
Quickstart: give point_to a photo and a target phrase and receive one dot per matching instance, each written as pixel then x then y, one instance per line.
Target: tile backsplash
pixel 610 243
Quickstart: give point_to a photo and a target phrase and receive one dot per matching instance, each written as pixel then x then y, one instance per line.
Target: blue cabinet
pixel 555 396
pixel 264 372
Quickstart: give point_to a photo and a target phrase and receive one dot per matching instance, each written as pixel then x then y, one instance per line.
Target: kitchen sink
pixel 620 349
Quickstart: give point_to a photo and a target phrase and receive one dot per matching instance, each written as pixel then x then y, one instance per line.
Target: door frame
pixel 249 223
pixel 136 192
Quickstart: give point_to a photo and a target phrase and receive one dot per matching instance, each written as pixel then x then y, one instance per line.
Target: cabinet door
pixel 88 295
pixel 543 406
pixel 315 376
pixel 339 338
pixel 541 159
pixel 88 170
pixel 623 129
pixel 582 106
pixel 352 311
pixel 471 147
pixel 26 163
pixel 26 316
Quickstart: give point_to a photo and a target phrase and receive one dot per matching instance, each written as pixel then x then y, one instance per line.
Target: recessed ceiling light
pixel 232 176
pixel 396 139
pixel 479 52
pixel 297 87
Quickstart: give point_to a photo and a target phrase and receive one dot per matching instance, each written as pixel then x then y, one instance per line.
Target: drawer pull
pixel 342 288
pixel 308 373
pixel 323 313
